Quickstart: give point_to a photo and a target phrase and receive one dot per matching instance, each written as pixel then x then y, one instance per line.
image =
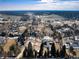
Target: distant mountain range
pixel 69 15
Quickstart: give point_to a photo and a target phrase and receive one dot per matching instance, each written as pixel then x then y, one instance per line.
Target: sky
pixel 39 5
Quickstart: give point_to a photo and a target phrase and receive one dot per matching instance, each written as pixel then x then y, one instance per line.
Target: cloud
pixel 45 5
pixel 47 1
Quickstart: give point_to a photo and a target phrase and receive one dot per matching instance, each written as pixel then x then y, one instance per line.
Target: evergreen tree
pixel 29 51
pixel 35 54
pixel 25 53
pixel 63 52
pixel 46 54
pixel 41 50
pixel 53 50
pixel 57 53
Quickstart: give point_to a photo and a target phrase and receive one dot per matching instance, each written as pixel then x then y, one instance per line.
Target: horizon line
pixel 39 10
